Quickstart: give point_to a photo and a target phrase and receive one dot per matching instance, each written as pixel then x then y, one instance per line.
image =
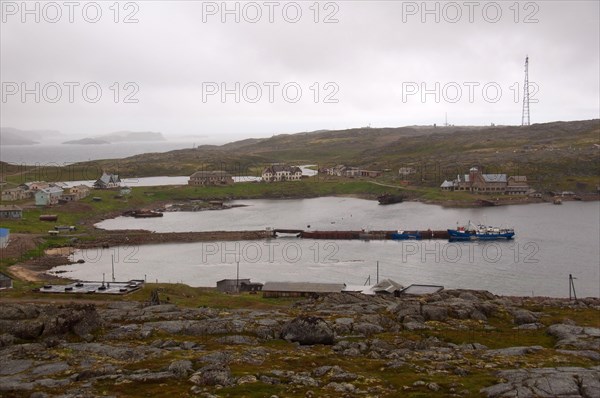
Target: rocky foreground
pixel 454 343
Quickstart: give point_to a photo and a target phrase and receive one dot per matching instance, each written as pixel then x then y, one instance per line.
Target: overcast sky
pixel 368 65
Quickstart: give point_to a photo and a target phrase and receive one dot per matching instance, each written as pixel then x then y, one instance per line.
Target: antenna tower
pixel 525 114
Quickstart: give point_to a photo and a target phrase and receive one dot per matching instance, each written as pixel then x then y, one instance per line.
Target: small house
pixel 80 191
pixel 204 178
pixel 230 285
pixel 37 185
pixel 107 181
pixel 13 194
pixel 238 285
pixel 11 212
pixel 48 196
pixel 405 171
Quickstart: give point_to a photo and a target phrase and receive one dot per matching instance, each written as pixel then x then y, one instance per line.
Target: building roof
pixel 5 277
pixel 10 208
pixel 17 189
pixel 303 287
pixel 494 177
pixel 240 280
pixel 217 173
pixel 518 178
pixel 447 184
pixel 108 178
pixel 276 168
pixel 387 286
pixel 51 190
pixel 419 290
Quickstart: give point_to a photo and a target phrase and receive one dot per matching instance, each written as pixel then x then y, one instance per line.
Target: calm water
pixel 551 243
pixel 61 154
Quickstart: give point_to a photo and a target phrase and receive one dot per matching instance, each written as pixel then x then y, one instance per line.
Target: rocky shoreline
pixel 454 343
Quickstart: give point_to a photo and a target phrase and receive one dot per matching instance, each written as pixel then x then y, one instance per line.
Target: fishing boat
pixel 405 235
pixel 480 232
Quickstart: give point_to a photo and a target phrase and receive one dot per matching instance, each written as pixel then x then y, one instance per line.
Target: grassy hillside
pixel 552 155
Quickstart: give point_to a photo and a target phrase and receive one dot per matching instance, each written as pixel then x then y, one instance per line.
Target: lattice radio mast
pixel 525 114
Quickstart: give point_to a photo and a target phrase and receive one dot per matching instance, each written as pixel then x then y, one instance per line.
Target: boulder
pixel 180 368
pixel 213 375
pixel 434 313
pixel 308 330
pixel 522 317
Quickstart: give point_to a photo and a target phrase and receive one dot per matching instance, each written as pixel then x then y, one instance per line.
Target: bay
pixel 551 242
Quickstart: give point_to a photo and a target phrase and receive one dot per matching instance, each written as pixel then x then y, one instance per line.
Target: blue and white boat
pixel 480 232
pixel 406 235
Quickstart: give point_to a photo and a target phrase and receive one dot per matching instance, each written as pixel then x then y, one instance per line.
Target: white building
pixel 277 172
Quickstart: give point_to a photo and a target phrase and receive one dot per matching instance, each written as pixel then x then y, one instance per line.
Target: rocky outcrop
pixel 341 345
pixel 308 330
pixel 547 382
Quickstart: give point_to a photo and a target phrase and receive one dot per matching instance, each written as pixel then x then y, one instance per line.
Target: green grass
pixel 77 212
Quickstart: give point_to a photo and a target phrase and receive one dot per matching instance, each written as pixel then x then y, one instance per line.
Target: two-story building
pixel 48 196
pixel 278 172
pixel 14 194
pixel 479 182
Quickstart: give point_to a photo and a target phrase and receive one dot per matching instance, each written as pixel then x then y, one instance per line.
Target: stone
pixel 237 340
pixel 433 386
pixel 248 379
pixel 434 313
pixel 522 317
pixel 515 351
pixel 308 330
pixel 304 380
pixel 212 375
pixel 180 368
pixel 340 387
pixel 13 366
pixel 367 329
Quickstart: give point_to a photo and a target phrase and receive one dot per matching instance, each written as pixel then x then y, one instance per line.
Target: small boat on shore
pixel 143 213
pixel 481 232
pixel 388 199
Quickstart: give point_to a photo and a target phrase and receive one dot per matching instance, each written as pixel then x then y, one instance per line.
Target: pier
pixel 362 235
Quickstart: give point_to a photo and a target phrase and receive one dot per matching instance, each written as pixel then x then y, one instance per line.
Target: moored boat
pixel 481 232
pixel 406 235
